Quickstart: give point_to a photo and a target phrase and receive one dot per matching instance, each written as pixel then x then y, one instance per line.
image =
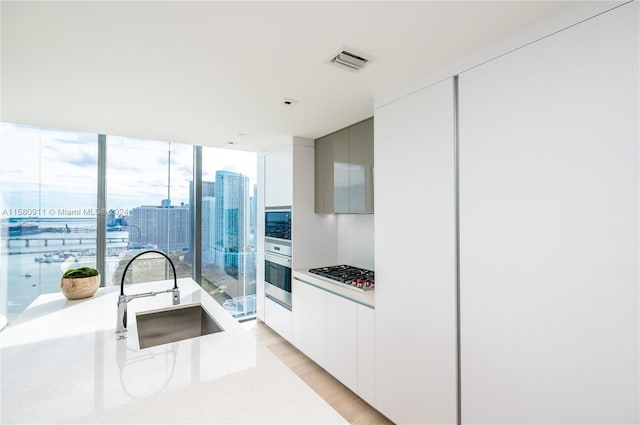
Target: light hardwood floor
pixel 342 399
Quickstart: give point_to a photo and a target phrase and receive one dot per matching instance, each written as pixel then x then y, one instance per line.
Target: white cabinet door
pixel 342 340
pixel 313 319
pixel 366 357
pixel 271 180
pixel 279 178
pixel 297 307
pixel 415 329
pixel 278 318
pixel 549 229
pixel 285 176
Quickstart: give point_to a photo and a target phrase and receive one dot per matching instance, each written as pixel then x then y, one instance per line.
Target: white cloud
pixel 54 161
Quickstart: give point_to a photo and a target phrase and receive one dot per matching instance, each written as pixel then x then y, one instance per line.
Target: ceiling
pixel 210 73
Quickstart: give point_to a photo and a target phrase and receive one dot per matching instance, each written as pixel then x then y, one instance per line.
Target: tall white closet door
pixel 415 258
pixel 549 229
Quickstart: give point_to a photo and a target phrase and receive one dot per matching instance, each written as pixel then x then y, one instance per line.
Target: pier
pixel 46 240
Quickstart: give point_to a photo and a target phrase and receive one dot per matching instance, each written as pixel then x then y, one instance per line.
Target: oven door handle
pixel 274 258
pixel 277 301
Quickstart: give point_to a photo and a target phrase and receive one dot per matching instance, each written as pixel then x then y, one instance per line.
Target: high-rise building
pixel 231 219
pixel 253 221
pixel 208 191
pixel 164 226
pixel 233 252
pixel 208 229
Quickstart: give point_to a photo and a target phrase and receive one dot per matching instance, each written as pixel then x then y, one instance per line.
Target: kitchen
pixel 505 250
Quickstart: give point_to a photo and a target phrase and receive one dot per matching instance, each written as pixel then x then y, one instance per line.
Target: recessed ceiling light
pixel 289 102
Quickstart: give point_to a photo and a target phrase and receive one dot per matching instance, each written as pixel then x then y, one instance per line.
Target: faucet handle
pixel 121 326
pixel 176 296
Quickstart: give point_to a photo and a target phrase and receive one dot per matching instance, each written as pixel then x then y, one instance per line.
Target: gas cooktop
pixel 352 277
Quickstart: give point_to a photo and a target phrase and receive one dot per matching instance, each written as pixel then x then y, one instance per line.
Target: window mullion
pixel 101 205
pixel 196 219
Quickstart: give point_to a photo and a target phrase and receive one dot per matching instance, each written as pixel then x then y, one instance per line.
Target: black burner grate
pixel 345 274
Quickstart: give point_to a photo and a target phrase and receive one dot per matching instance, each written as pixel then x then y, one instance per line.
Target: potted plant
pixel 80 282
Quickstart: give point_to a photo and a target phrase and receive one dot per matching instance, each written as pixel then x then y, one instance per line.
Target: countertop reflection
pixel 61 363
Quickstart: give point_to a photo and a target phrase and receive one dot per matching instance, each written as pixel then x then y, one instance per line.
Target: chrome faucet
pixel 121 326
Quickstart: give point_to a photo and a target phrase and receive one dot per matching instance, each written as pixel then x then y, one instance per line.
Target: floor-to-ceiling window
pixel 228 228
pixel 148 203
pixel 48 183
pixel 48 214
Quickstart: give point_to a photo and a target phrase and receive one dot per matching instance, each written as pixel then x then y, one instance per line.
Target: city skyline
pixel 49 179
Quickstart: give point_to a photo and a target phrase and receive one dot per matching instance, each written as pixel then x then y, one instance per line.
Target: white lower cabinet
pixel 278 318
pixel 342 340
pixel 311 317
pixel 336 333
pixel 366 350
pixel 297 301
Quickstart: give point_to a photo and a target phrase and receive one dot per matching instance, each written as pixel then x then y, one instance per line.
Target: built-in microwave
pixel 277 278
pixel 277 224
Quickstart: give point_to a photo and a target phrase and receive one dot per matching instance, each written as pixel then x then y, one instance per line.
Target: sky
pixel 53 170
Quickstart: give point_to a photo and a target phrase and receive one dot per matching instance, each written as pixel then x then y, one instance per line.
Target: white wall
pixel 549 239
pixel 356 240
pixel 537 30
pixel 313 235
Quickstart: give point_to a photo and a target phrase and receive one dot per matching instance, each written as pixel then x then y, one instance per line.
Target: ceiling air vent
pixel 348 59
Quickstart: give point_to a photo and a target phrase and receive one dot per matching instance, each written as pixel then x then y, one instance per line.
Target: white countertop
pixel 61 363
pixel 363 297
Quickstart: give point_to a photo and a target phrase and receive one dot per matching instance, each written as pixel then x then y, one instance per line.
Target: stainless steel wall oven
pixel 277 278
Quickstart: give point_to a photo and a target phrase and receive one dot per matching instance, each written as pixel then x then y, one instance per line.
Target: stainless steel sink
pixel 173 324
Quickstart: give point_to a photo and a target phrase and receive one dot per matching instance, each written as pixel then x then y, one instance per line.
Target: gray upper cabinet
pixel 324 170
pixel 344 170
pixel 361 167
pixel 339 165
